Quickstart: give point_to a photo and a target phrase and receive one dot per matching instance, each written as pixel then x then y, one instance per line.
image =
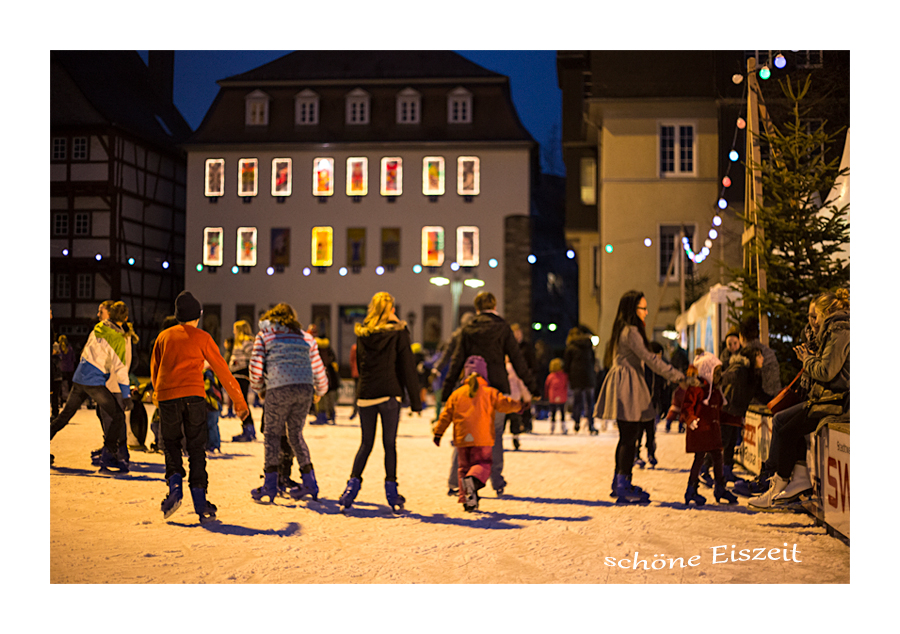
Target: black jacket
pixel 578 363
pixel 490 337
pixel 386 365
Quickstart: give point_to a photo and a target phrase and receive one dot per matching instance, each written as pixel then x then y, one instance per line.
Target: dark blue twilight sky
pixel 532 76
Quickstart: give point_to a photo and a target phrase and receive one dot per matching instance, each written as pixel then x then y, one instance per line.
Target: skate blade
pixel 794 498
pixel 171 511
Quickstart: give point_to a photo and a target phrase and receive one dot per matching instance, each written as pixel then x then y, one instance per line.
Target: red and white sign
pixel 836 481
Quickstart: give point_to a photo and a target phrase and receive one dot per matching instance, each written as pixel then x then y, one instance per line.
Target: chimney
pixel 161 65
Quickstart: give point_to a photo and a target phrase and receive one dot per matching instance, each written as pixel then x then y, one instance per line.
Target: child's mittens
pixel 693 424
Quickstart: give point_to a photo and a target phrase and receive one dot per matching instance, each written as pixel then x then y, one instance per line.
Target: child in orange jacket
pixel 471 409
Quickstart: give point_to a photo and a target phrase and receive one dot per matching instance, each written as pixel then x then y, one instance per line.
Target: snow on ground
pixel 556 524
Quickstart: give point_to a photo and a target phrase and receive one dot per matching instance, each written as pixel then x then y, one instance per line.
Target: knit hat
pixel 475 364
pixel 187 308
pixel 706 365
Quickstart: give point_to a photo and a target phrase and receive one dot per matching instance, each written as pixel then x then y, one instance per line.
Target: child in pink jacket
pixel 556 393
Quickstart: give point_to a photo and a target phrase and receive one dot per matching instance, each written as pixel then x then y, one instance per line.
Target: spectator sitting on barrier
pixel 829 371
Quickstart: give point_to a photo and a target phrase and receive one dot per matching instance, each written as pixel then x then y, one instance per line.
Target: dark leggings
pixel 715 456
pixel 105 401
pixel 368 421
pixel 629 432
pixel 791 447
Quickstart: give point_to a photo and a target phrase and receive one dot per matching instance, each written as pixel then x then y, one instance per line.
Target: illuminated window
pixel 459 106
pixel 256 106
pixel 63 286
pixel 82 224
pixel 306 108
pixel 79 148
pixel 323 176
pixel 281 177
pixel 212 246
pixel 391 176
pixel 356 246
pixel 358 107
pixel 467 246
pixel 588 180
pixel 409 103
pixel 85 286
pixel 246 246
pixel 432 246
pixel 390 246
pixel 248 176
pixel 322 251
pixel 58 153
pixel 61 224
pixel 215 177
pixel 677 149
pixel 468 176
pixel 433 176
pixel 357 176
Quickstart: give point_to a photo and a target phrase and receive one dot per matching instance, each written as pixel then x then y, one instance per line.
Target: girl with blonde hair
pixel 386 368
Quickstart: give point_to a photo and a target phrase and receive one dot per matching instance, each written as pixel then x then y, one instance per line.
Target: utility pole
pixel 753 230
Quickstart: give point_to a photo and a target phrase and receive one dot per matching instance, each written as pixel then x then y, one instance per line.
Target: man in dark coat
pixel 527 350
pixel 490 337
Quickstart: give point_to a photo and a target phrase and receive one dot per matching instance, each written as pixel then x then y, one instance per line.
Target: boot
pixel 516 444
pixel 203 507
pixel 394 499
pixel 471 502
pixel 653 461
pixel 111 464
pixel 728 473
pixel 562 424
pixel 593 430
pixel 349 494
pixel 798 485
pixel 638 462
pixel 705 478
pixel 742 487
pixel 765 502
pixel 721 493
pixel 123 456
pixel 691 495
pixel 577 426
pixel 762 483
pixel 269 488
pixel 248 433
pixel 173 499
pixel 627 494
pixel 309 487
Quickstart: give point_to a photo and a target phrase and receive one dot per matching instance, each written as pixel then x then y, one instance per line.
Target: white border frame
pixel 207 261
pixel 312 254
pixel 241 163
pixel 384 162
pixel 473 261
pixel 240 260
pixel 290 177
pixel 365 173
pixel 476 188
pixel 206 189
pixel 424 258
pixel 443 176
pixel 329 161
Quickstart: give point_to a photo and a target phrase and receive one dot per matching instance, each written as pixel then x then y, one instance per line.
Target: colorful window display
pixel 357 176
pixel 246 246
pixel 323 176
pixel 322 246
pixel 467 246
pixel 468 176
pixel 281 177
pixel 212 246
pixel 433 175
pixel 432 246
pixel 215 177
pixel 391 176
pixel 248 177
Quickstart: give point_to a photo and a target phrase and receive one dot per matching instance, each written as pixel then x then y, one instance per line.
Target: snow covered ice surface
pixel 556 523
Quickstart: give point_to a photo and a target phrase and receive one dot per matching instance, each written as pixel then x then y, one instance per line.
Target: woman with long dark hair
pixel 624 396
pixel 386 367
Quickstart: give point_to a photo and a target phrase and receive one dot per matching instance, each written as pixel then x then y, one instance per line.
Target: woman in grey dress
pixel 624 396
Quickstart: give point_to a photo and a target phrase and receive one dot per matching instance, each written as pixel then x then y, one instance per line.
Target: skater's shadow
pixel 666 470
pixel 489 521
pixel 147 467
pixel 564 501
pixel 710 506
pixel 95 473
pixel 292 528
pixel 513 451
pixel 224 456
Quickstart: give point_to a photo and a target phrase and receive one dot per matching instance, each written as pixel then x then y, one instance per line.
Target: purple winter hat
pixel 475 364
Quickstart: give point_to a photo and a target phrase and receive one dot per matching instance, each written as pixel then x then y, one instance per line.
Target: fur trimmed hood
pixel 361 330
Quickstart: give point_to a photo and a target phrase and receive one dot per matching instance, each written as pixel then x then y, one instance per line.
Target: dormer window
pixel 306 108
pixel 256 107
pixel 459 106
pixel 409 103
pixel 358 107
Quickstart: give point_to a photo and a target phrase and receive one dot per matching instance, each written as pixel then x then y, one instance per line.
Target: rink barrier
pixel 828 460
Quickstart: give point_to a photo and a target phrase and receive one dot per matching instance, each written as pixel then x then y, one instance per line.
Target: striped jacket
pixel 104 357
pixel 283 357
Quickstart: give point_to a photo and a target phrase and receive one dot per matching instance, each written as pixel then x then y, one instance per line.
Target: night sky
pixel 532 76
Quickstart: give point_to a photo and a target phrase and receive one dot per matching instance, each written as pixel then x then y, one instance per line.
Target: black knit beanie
pixel 187 308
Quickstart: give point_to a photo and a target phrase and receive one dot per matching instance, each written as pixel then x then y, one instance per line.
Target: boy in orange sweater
pixel 471 409
pixel 176 371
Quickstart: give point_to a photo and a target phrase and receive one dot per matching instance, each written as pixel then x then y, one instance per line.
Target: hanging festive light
pixel 165 264
pixel 342 271
pixel 609 248
pixel 708 244
pixel 379 270
pixel 713 234
pixel 306 271
pixel 235 269
pixel 98 257
pixel 130 261
pixel 417 268
pixel 726 182
pixel 65 252
pixel 493 263
pixel 648 242
pixel 764 72
pixel 717 220
pixel 722 203
pixel 199 267
pixel 454 266
pixel 570 254
pixel 532 259
pixel 733 155
pixel 780 61
pixel 737 78
pixel 741 123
